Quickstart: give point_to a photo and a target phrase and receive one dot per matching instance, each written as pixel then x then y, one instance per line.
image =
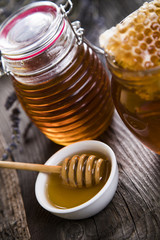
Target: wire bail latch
pixel 77 29
pixel 76 25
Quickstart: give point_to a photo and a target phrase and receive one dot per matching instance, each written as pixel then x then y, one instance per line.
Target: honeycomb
pixel 134 43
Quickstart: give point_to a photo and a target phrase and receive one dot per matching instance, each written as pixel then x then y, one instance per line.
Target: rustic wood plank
pixel 13 224
pixel 137 201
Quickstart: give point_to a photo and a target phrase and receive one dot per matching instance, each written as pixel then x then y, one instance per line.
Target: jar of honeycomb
pixel 133 56
pixel 58 78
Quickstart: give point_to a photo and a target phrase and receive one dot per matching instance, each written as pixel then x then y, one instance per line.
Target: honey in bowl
pixel 64 196
pixel 133 56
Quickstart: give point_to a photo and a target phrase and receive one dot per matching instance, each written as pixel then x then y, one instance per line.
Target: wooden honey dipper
pixel 77 171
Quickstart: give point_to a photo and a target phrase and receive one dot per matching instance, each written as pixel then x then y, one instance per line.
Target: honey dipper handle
pixel 31 167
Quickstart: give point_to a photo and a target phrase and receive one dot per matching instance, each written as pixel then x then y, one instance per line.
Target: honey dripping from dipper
pixel 63 195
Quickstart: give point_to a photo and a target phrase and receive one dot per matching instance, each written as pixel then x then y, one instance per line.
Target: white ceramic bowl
pixel 96 203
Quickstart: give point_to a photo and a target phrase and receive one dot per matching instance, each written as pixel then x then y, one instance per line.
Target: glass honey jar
pixel 136 96
pixel 133 57
pixel 58 78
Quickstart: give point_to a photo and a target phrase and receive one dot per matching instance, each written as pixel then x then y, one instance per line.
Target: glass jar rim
pixel 51 15
pixel 128 72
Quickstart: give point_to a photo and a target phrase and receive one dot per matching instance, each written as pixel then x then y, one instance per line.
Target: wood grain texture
pixel 134 212
pixel 13 224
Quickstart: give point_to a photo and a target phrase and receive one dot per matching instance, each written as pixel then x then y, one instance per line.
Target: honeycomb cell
pixel 154 25
pixel 138 59
pixel 140 36
pixel 157 4
pixel 122 29
pixel 147 31
pixel 138 51
pixel 134 42
pixel 146 22
pixel 157 44
pixel 151 9
pixel 143 46
pixel 148 40
pixel 158 12
pixel 158 20
pixel 151 49
pixel 139 28
pixel 156 35
pixel 126 39
pixel 153 17
pixel 154 59
pixel 132 33
pixel 141 17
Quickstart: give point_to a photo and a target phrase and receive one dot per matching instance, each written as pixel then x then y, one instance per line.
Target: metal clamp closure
pixel 68 5
pixel 3 69
pixel 77 29
pixel 2 72
pixel 75 26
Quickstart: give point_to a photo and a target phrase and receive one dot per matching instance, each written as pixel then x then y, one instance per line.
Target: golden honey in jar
pixel 62 85
pixel 133 49
pixel 64 196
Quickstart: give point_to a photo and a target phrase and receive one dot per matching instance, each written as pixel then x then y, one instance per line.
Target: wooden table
pixel 134 212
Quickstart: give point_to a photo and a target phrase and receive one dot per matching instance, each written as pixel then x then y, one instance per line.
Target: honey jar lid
pixel 31 30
